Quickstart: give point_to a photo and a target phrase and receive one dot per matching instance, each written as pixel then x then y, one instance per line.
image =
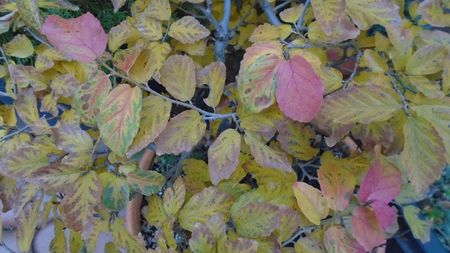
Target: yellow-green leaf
pixel 182 133
pixel 20 46
pixel 433 11
pixel 119 117
pixel 155 114
pixel 289 223
pixel 223 155
pixel 188 30
pixel 311 202
pixel 155 213
pixel 26 106
pixel 328 13
pixel 121 34
pixel 150 62
pixel 59 243
pixel 178 76
pixel 123 239
pixel 419 228
pixel 239 245
pixel 374 61
pixel 337 185
pixel 29 12
pixel 27 219
pixel 173 198
pixel 204 205
pixel 202 240
pixel 64 85
pixel 115 191
pixel 256 219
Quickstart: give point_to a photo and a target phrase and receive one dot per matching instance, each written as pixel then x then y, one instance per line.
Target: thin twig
pixel 267 8
pixel 302 15
pixel 3 244
pixel 3 55
pixel 5 137
pixel 405 103
pixel 36 37
pixel 144 87
pixel 282 5
pixel 346 83
pixel 298 233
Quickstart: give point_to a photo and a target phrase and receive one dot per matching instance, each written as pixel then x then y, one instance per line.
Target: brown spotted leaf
pixel 223 155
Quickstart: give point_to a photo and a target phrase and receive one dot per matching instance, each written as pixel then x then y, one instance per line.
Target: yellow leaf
pixel 119 117
pixel 49 104
pixel 267 176
pixel 149 27
pixel 155 213
pixel 80 200
pixel 8 115
pixel 75 241
pixel 402 39
pixel 433 12
pixel 182 133
pixel 99 226
pixel 369 103
pixel 367 13
pixel 29 13
pixel 178 76
pixel 337 184
pixel 188 30
pixel 155 113
pixel 28 158
pixel 202 206
pixel 265 121
pixel 309 244
pixel 149 62
pixel 328 13
pixel 198 48
pixel 426 60
pixel 289 223
pixel 76 142
pixel 124 59
pixel 265 155
pixel 295 138
pixel 202 240
pixel 311 202
pixel 223 155
pixel 173 198
pixel 158 9
pixel 111 248
pixel 343 30
pixel 214 76
pixel 374 61
pixel 121 34
pixel 255 219
pixel 20 46
pixel 27 219
pixel 423 156
pixel 267 32
pixel 123 239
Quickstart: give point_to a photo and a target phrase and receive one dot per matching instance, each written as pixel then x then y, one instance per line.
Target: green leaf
pixel 148 182
pixel 122 238
pixel 59 243
pixel 119 117
pixel 115 191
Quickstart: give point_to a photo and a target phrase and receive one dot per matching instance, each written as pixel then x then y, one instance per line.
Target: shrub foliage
pixel 335 121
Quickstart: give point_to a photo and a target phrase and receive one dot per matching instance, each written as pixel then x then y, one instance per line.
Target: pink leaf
pixel 366 229
pixel 385 214
pixel 82 39
pixel 382 183
pixel 299 89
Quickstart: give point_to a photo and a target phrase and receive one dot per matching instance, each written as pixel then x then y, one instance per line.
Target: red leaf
pixel 299 89
pixel 366 229
pixel 382 183
pixel 82 38
pixel 385 214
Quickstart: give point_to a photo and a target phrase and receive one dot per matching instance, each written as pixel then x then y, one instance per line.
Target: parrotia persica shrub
pixel 334 122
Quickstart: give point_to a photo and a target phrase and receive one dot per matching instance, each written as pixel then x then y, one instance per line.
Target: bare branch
pixel 346 83
pixel 302 15
pixel 267 8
